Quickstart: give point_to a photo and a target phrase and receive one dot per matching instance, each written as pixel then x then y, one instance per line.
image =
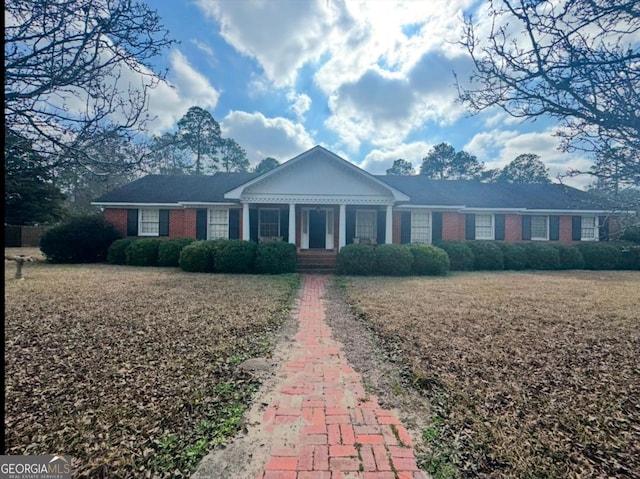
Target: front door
pixel 317 229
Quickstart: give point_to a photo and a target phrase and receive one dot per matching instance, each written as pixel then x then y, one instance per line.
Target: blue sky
pixel 371 80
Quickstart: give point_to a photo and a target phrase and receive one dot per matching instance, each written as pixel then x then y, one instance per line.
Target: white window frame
pixel 141 222
pixel 373 238
pixel 211 224
pixel 260 235
pixel 540 238
pixel 492 234
pixel 420 232
pixel 596 229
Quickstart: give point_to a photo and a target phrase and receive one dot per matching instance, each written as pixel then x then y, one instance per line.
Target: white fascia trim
pixel 568 212
pixel 137 205
pixel 192 204
pixel 429 207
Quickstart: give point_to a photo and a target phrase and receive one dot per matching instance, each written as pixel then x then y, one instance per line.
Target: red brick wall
pixel 397 227
pixel 176 224
pixel 189 222
pixel 566 229
pixel 512 228
pixel 118 218
pixel 452 226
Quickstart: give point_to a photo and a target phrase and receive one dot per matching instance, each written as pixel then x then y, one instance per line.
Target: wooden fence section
pixel 17 236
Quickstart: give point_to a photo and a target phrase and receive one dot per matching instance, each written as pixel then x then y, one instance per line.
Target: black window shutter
pixel 526 227
pixel 436 229
pixel 163 226
pixel 253 225
pixel 350 218
pixel 234 224
pixel 132 222
pixel 405 227
pixel 284 224
pixel 603 228
pixel 201 224
pixel 499 227
pixel 470 227
pixel 576 228
pixel 554 228
pixel 382 221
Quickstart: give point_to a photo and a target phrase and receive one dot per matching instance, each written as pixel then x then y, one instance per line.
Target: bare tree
pixel 77 71
pixel 574 60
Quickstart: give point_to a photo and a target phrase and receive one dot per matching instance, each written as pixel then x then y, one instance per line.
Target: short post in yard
pixel 20 260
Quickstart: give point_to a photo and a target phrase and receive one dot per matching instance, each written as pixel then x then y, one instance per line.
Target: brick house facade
pixel 319 201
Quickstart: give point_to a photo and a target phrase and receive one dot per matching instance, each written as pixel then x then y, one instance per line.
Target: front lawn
pixel 529 375
pixel 133 371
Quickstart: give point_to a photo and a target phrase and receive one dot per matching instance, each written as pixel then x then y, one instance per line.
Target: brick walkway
pixel 343 432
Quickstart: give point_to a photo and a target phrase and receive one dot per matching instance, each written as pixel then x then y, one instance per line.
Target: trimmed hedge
pixel 460 255
pixel 393 259
pixel 197 257
pixel 83 239
pixel 515 256
pixel 356 259
pixel 599 256
pixel 143 252
pixel 169 251
pixel 542 256
pixel 486 255
pixel 117 252
pixel 570 257
pixel 632 234
pixel 629 256
pixel 275 257
pixel 234 256
pixel 429 260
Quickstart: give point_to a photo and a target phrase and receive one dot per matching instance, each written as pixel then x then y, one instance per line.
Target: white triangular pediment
pixel 316 176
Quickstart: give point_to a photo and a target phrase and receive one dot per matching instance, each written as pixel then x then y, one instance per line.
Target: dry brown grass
pixel 530 375
pixel 131 370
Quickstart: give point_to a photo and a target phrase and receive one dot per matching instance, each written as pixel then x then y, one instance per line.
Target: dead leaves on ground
pixel 132 370
pixel 531 375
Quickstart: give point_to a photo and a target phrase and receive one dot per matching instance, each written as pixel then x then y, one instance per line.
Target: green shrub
pixel 116 254
pixel 570 257
pixel 429 260
pixel 598 256
pixel 393 259
pixel 632 234
pixel 356 259
pixel 84 239
pixel 460 255
pixel 629 256
pixel 486 255
pixel 542 256
pixel 275 257
pixel 515 256
pixel 143 252
pixel 169 251
pixel 234 256
pixel 197 257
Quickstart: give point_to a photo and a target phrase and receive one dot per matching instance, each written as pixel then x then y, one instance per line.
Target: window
pixel 540 228
pixel 589 230
pixel 269 223
pixel 366 224
pixel 218 223
pixel 149 222
pixel 484 227
pixel 421 227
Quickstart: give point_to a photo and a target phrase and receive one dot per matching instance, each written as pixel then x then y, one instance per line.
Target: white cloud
pixel 300 103
pixel 498 148
pixel 187 88
pixel 279 138
pixel 379 160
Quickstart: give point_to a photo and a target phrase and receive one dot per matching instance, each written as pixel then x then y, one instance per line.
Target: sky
pixel 370 80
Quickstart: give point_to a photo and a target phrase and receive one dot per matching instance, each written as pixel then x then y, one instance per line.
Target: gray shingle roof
pixel 175 188
pixel 422 191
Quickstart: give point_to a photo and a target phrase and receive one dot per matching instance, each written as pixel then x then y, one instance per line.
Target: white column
pixel 246 234
pixel 292 223
pixel 342 230
pixel 388 232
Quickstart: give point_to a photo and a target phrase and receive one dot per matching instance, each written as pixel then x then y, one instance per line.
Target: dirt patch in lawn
pixel 133 371
pixel 527 374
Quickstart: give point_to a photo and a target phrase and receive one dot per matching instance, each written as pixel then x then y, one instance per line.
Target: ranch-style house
pixel 320 202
